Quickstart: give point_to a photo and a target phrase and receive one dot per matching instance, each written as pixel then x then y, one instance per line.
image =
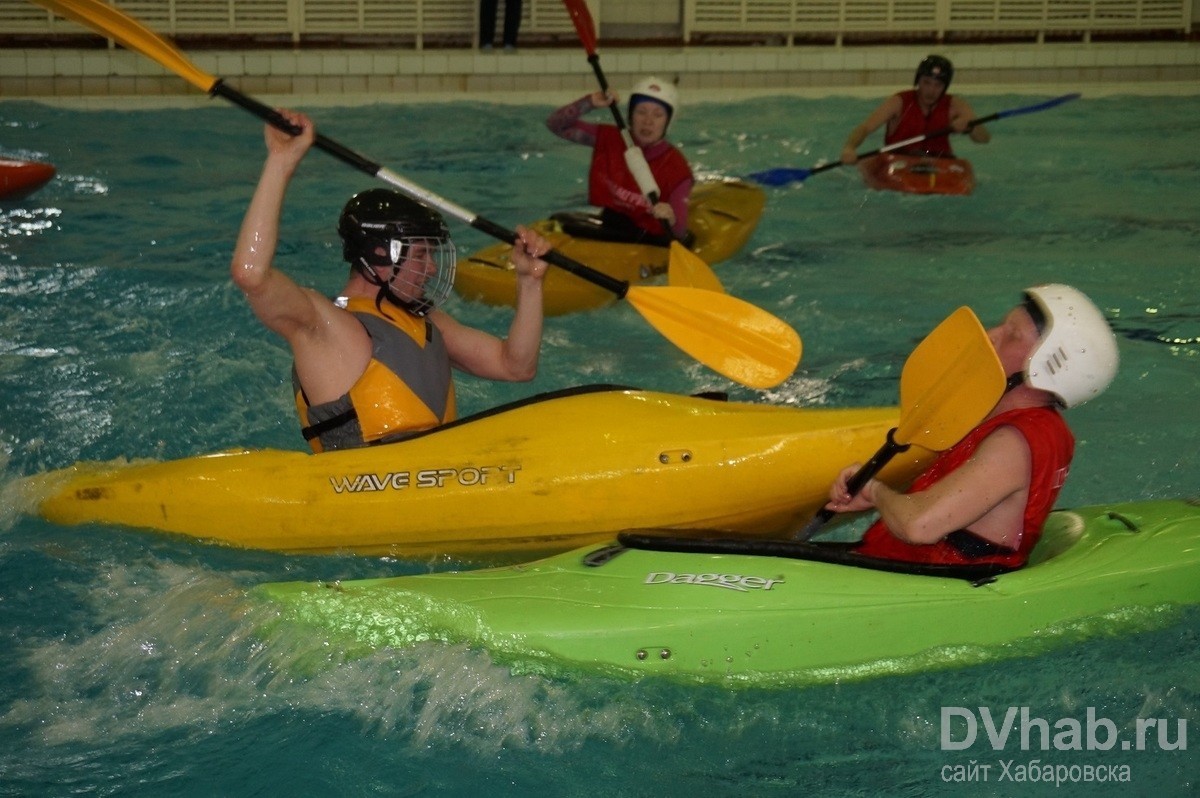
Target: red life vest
pixel 1051 446
pixel 612 185
pixel 913 122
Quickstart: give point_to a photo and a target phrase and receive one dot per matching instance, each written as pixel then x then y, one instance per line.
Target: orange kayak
pixel 21 178
pixel 918 174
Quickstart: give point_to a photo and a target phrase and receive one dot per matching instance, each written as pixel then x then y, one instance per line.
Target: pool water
pixel 128 667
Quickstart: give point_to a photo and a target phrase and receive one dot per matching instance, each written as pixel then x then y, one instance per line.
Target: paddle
pixel 684 268
pixel 783 175
pixel 730 336
pixel 949 383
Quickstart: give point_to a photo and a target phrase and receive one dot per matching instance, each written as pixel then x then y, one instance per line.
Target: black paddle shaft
pixel 946 131
pixel 277 120
pixel 349 156
pixel 856 483
pixel 594 60
pixel 871 153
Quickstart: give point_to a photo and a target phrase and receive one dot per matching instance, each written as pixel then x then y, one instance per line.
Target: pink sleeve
pixel 679 203
pixel 567 122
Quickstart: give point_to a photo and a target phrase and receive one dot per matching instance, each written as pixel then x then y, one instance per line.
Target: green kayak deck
pixel 715 611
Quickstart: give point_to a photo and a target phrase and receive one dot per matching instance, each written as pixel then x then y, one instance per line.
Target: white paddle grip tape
pixel 428 197
pixel 635 159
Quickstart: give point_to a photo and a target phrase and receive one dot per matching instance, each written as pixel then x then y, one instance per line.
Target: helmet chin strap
pixel 367 271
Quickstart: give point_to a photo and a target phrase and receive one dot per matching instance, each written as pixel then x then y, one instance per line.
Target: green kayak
pixel 769 613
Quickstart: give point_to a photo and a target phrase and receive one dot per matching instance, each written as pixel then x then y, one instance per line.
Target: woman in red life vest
pixel 925 108
pixel 985 499
pixel 612 184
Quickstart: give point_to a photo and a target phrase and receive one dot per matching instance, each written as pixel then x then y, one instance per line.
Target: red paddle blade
pixel 581 17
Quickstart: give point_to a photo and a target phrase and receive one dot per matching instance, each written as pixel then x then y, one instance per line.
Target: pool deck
pixel 83 77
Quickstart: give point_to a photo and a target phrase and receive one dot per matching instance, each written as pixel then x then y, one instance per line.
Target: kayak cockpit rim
pixel 531 400
pixel 1062 531
pixel 839 553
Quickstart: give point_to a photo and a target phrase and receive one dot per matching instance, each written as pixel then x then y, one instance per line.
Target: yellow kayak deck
pixel 539 476
pixel 722 216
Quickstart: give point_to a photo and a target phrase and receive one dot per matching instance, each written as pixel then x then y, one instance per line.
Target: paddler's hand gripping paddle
pixel 949 384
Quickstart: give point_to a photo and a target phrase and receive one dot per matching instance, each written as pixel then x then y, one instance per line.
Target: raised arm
pixel 330 348
pixel 514 358
pixel 281 304
pixel 567 122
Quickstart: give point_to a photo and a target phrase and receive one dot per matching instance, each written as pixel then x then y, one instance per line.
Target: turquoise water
pixel 128 666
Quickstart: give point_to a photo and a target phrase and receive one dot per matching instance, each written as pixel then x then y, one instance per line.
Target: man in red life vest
pixel 612 185
pixel 374 364
pixel 984 501
pixel 925 108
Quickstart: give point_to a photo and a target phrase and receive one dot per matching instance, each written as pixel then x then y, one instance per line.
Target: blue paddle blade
pixel 780 177
pixel 1028 109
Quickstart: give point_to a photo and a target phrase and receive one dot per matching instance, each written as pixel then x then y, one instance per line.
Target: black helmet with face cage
pixel 379 227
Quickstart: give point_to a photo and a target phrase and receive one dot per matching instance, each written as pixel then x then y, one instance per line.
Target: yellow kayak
pixel 722 215
pixel 543 475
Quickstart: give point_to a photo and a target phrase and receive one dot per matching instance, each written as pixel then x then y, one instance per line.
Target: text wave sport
pixel 539 476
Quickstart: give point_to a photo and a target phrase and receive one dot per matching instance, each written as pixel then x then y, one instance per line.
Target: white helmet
pixel 1076 357
pixel 652 88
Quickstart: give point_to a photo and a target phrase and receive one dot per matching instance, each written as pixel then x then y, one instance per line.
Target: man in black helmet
pixel 374 364
pixel 923 109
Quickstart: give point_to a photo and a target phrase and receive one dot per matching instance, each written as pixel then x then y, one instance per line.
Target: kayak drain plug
pixel 662 654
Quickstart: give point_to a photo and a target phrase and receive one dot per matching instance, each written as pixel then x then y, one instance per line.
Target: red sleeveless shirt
pixel 1051 446
pixel 913 122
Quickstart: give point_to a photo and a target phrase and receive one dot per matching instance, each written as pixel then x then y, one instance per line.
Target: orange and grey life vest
pixel 407 386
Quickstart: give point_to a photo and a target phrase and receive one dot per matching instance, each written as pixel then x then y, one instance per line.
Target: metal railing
pixel 299 19
pixel 792 19
pixel 784 20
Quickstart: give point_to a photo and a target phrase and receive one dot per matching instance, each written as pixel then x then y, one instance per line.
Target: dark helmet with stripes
pixel 381 228
pixel 935 66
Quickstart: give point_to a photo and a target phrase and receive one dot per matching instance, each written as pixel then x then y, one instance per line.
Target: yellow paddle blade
pixel 686 269
pixel 730 336
pixel 131 34
pixel 950 382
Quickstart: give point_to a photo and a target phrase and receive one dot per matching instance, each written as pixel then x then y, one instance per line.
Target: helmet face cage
pixel 383 228
pixel 422 270
pixel 422 274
